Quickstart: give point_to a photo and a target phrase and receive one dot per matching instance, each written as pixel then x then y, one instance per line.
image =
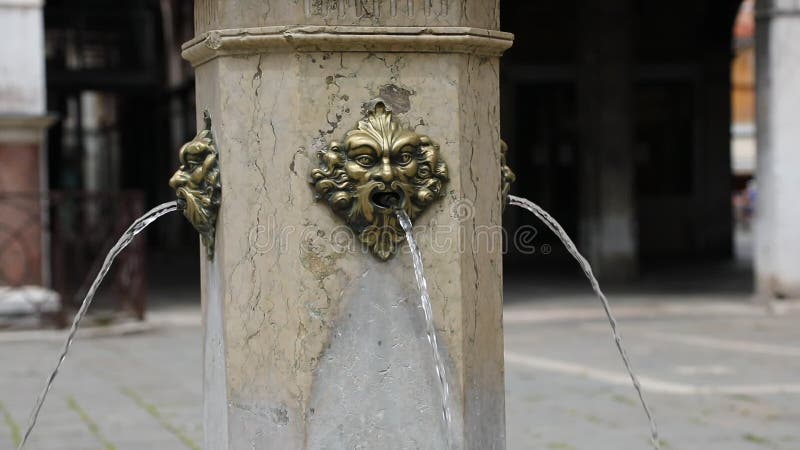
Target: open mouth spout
pixel 386 200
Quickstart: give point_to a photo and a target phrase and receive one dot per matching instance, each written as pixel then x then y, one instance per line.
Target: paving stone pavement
pixel 720 374
pixel 723 376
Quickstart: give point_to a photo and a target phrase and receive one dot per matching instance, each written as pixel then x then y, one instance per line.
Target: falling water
pixel 587 269
pixel 138 226
pixel 430 331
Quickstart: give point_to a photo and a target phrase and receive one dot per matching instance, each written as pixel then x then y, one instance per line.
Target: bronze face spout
pixel 197 184
pixel 507 175
pixel 379 167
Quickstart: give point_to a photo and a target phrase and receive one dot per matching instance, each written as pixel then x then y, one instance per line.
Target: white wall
pixel 22 79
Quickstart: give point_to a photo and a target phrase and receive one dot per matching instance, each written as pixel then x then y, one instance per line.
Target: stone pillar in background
pixel 605 113
pixel 778 123
pixel 311 341
pixel 22 158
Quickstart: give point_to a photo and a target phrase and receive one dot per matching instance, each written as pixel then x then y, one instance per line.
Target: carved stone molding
pixel 216 43
pixel 24 129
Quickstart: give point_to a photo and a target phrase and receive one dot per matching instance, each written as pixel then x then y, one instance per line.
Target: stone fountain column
pixel 311 341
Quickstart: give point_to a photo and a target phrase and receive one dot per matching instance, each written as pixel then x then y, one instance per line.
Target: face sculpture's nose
pixel 383 172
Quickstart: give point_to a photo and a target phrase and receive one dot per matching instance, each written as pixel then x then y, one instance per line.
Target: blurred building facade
pixel 123 95
pixel 619 117
pixel 743 97
pixel 632 121
pixel 95 100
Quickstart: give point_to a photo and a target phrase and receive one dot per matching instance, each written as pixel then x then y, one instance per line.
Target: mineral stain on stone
pixel 396 99
pixel 280 416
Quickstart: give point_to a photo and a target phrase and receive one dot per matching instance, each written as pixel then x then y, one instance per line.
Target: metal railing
pixel 59 240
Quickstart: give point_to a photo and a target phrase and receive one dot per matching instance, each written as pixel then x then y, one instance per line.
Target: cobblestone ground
pixel 728 378
pixel 719 375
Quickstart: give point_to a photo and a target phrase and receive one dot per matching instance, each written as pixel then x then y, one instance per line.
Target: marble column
pixel 312 341
pixel 778 115
pixel 22 158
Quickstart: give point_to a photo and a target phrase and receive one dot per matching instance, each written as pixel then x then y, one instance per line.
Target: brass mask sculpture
pixel 506 174
pixel 378 167
pixel 197 184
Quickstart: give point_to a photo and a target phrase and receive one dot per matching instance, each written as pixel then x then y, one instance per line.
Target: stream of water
pixel 430 330
pixel 137 227
pixel 555 227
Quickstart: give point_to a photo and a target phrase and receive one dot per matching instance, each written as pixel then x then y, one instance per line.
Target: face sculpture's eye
pixel 365 160
pixel 403 158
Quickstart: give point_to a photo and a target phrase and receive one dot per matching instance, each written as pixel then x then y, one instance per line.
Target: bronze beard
pixel 379 163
